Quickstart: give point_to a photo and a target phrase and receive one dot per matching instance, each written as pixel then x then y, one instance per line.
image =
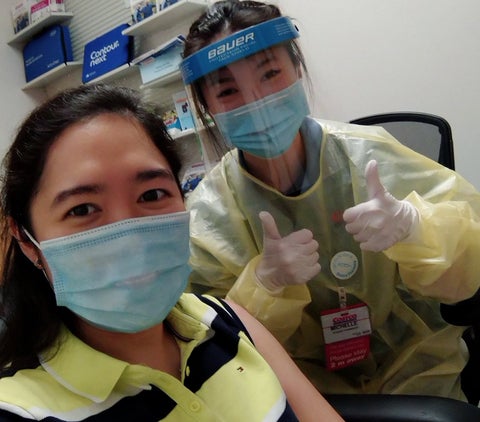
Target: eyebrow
pixel 142 176
pixel 222 75
pixel 155 174
pixel 266 60
pixel 77 190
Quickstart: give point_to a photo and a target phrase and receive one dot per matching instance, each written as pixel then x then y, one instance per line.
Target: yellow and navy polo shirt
pixel 224 378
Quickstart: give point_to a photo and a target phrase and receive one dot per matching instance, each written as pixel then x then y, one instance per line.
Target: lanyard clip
pixel 342 297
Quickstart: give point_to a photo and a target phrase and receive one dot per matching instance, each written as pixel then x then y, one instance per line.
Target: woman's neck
pixel 280 172
pixel 155 347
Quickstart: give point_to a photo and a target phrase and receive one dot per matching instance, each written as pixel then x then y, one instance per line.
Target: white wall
pixel 373 56
pixel 364 57
pixel 14 103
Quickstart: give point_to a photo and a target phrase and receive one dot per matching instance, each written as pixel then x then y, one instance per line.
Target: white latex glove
pixel 383 220
pixel 288 260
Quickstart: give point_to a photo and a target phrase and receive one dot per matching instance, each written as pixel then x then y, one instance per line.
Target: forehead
pixel 95 130
pixel 104 137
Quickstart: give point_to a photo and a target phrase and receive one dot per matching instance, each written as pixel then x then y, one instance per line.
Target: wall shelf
pixel 55 73
pixel 168 17
pixel 27 33
pixel 120 72
pixel 184 134
pixel 175 76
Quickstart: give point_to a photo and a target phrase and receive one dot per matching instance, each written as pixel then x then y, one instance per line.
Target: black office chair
pixel 467 313
pixel 401 408
pixel 427 134
pixel 432 136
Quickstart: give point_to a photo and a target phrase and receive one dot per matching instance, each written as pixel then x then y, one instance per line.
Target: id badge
pixel 347 335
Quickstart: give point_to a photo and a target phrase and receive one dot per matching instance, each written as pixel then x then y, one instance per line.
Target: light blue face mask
pixel 267 127
pixel 124 276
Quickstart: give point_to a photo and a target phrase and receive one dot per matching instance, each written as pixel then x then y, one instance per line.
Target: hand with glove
pixel 288 260
pixel 381 221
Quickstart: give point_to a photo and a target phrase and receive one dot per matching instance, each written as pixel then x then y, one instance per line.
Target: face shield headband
pixel 236 46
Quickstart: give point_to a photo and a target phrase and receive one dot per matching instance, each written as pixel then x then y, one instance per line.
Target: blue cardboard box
pixel 106 52
pixel 50 49
pixel 161 61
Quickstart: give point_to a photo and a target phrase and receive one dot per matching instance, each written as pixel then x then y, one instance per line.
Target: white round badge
pixel 344 265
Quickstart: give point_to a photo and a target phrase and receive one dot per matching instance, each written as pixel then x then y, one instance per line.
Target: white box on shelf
pixel 192 177
pixel 142 9
pixel 163 4
pixel 20 15
pixel 183 109
pixel 161 61
pixel 39 9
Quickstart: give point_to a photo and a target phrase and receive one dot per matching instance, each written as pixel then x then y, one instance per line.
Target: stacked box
pixel 40 9
pixel 27 12
pixel 106 52
pixel 142 9
pixel 163 4
pixel 161 61
pixel 20 16
pixel 48 50
pixel 172 122
pixel 184 112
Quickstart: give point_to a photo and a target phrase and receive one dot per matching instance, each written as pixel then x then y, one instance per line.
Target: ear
pixel 26 245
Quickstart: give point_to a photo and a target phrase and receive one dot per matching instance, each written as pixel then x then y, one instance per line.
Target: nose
pixel 250 91
pixel 121 210
pixel 251 94
pixel 250 88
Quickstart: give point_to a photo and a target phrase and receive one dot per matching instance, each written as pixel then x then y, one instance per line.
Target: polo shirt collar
pixel 78 367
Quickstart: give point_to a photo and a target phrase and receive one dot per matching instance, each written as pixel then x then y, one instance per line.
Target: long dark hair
pixel 31 319
pixel 229 16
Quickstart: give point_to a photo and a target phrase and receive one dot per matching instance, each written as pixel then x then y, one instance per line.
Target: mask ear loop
pixel 38 263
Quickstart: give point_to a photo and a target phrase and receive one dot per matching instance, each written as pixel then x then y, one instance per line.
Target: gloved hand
pixel 288 260
pixel 383 220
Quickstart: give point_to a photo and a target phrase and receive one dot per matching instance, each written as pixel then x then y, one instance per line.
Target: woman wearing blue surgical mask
pixel 339 239
pixel 96 241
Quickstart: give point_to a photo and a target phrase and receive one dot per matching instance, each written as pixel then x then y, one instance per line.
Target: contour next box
pixel 161 61
pixel 106 53
pixel 50 49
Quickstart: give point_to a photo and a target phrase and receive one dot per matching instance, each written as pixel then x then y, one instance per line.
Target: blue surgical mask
pixel 267 127
pixel 125 276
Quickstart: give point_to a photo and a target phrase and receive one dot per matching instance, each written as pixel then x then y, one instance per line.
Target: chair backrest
pixel 431 135
pixel 401 408
pixel 427 134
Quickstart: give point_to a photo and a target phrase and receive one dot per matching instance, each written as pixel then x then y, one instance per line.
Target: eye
pixel 152 195
pixel 270 74
pixel 226 92
pixel 82 210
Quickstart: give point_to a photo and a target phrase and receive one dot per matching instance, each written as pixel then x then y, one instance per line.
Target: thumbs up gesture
pixel 288 260
pixel 381 221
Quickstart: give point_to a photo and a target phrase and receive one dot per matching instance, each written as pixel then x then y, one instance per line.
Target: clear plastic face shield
pixel 250 83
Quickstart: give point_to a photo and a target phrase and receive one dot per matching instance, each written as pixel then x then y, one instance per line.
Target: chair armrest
pixel 401 408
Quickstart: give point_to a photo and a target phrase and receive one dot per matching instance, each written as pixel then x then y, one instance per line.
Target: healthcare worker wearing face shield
pixel 340 239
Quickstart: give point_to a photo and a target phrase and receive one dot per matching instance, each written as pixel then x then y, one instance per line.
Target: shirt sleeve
pixel 440 260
